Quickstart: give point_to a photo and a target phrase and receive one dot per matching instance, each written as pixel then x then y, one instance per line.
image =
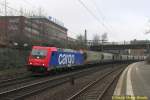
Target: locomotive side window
pixel 39 54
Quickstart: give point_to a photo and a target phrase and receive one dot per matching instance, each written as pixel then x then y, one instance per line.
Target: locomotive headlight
pixel 43 64
pixel 30 63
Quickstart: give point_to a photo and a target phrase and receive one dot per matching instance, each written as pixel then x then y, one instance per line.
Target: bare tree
pixel 41 12
pixel 21 11
pixel 104 37
pixel 80 38
pixel 80 41
pixel 147 29
pixel 96 39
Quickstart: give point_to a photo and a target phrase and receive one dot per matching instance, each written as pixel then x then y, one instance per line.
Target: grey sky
pixel 123 19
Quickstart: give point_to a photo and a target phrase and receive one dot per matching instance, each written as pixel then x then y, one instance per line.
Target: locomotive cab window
pixel 40 54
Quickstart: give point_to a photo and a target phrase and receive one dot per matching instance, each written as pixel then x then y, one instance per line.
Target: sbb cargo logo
pixel 64 59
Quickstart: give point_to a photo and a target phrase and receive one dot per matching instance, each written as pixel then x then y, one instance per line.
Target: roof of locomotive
pixel 54 49
pixel 43 47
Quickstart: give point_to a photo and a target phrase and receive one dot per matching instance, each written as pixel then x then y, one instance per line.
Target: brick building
pixel 32 30
pixel 48 27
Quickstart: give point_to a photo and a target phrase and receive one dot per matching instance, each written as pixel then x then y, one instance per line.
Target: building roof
pixel 37 18
pixel 49 21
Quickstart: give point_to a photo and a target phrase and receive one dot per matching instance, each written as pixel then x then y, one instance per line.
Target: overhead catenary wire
pixel 11 8
pixel 40 12
pixel 103 17
pixel 93 15
pixel 28 3
pixel 17 12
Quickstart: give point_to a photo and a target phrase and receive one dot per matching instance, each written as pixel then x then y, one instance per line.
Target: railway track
pixel 21 92
pixel 97 89
pixel 14 81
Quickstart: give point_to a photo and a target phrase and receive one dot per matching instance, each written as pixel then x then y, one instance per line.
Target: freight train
pixel 44 59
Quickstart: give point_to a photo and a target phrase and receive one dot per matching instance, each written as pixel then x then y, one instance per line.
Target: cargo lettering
pixel 64 59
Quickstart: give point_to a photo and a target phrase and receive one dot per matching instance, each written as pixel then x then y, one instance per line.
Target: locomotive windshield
pixel 38 53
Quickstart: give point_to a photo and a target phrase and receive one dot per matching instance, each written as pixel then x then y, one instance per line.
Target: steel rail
pixel 108 86
pixel 84 89
pixel 47 83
